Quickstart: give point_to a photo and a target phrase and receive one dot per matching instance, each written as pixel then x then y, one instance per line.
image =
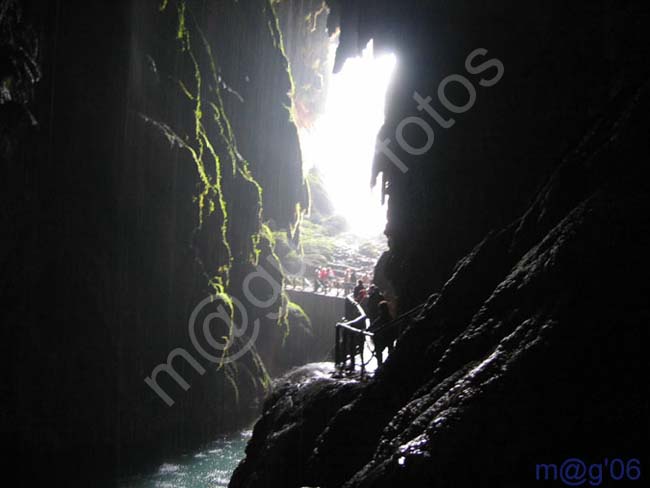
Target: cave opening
pixel 339 144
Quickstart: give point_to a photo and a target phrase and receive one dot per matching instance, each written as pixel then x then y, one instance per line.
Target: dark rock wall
pixel 533 352
pixel 530 353
pixel 562 64
pixel 259 100
pixel 136 177
pixel 307 45
pixel 59 346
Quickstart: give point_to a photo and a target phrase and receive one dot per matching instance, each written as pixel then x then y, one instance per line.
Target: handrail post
pixel 363 346
pixel 345 334
pixel 337 346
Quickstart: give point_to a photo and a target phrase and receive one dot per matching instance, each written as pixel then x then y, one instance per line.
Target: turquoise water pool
pixel 212 466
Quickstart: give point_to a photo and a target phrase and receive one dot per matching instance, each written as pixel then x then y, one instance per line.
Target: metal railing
pixel 350 343
pixel 350 336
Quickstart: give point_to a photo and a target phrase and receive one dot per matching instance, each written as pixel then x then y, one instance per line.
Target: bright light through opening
pixel 341 142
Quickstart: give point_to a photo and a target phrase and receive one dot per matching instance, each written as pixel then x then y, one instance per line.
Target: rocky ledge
pixel 298 409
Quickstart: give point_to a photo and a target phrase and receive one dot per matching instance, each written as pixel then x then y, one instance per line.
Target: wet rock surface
pixel 533 352
pixel 137 175
pixel 298 409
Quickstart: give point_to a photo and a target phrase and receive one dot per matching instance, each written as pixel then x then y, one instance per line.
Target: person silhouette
pixel 385 335
pixel 359 292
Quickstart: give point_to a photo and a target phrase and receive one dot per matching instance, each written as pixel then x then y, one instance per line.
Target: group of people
pixel 377 310
pixel 326 279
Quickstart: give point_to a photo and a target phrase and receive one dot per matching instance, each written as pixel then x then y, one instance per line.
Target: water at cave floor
pixel 210 466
